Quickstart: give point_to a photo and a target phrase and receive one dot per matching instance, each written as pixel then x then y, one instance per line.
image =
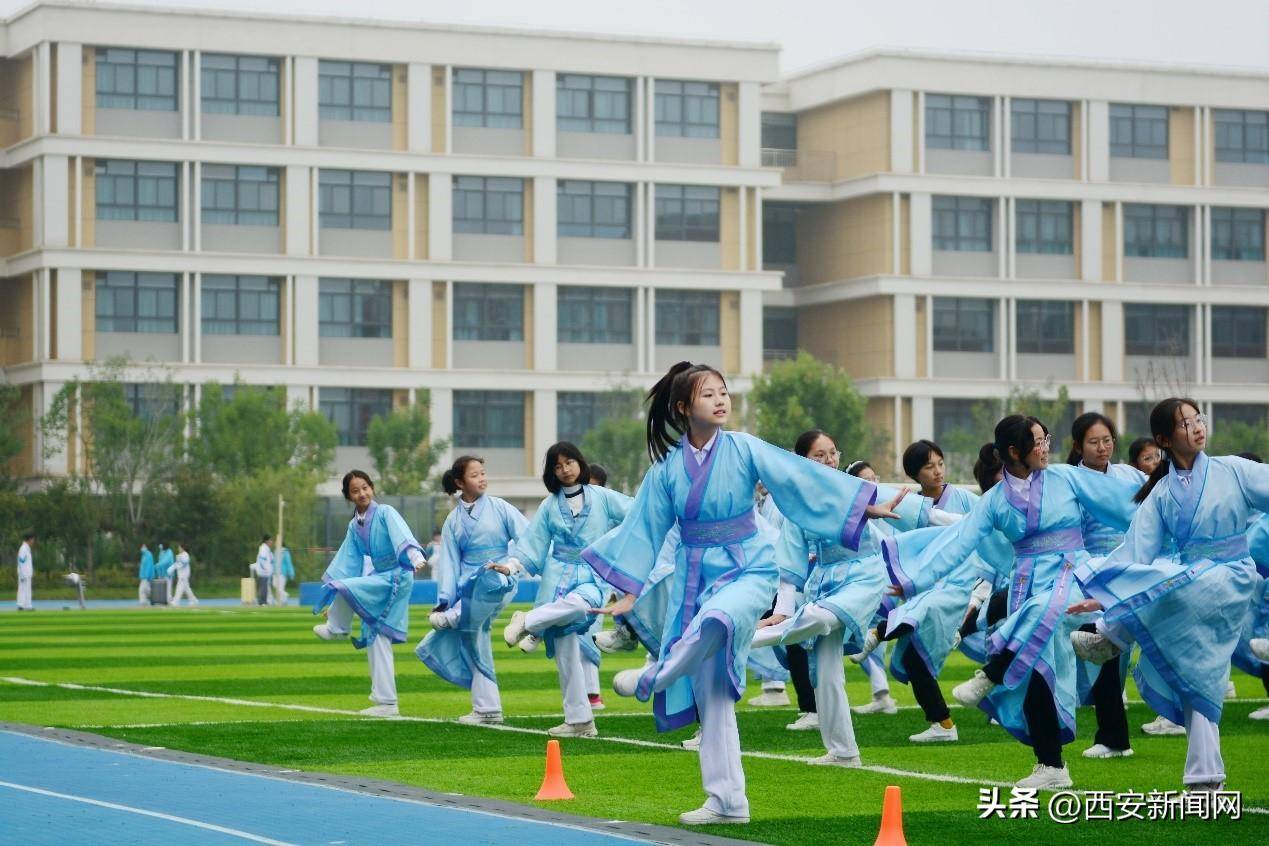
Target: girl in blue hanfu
pixel 1187 612
pixel 1028 684
pixel 371 576
pixel 474 582
pixel 725 574
pixel 574 514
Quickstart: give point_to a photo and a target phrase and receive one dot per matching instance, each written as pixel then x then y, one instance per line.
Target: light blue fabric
pixel 647 618
pixel 146 571
pixel 769 663
pixel 164 565
pixel 288 566
pixel 1256 623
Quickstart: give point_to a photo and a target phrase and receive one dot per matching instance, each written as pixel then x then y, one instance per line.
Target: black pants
pixel 800 675
pixel 924 686
pixel 1039 707
pixel 1108 704
pixel 262 590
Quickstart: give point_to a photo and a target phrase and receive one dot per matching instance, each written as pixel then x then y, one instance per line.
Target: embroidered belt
pixel 568 553
pixel 1231 548
pixel 705 533
pixel 1043 543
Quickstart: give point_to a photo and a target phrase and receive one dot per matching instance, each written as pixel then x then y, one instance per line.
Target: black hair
pixel 917 455
pixel 857 467
pixel 806 440
pixel 1136 448
pixel 554 453
pixel 665 422
pixel 450 478
pixel 1079 430
pixel 265 538
pixel 1252 456
pixel 1015 431
pixel 356 474
pixel 28 535
pixel 599 475
pixel 1163 425
pixel 987 467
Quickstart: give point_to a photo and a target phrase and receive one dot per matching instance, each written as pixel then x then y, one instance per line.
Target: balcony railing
pixel 802 165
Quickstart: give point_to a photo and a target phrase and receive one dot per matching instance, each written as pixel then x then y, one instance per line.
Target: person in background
pixel 432 551
pixel 163 568
pixel 26 572
pixel 145 573
pixel 1144 454
pixel 262 569
pixel 180 572
pixel 284 570
pixel 599 475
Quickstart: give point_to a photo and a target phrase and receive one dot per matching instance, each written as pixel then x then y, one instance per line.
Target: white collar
pixel 1018 485
pixel 703 452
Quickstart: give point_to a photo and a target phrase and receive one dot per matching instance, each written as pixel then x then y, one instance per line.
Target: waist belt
pixel 1231 548
pixel 478 555
pixel 704 533
pixel 1043 543
pixel 568 553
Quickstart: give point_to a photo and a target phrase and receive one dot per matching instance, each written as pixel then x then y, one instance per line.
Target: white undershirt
pixel 703 453
pixel 1019 486
pixel 575 498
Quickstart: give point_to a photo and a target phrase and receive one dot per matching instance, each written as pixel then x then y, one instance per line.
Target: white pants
pixel 143 592
pixel 279 589
pixel 383 676
pixel 183 589
pixel 591 672
pixel 1203 761
pixel 24 592
pixel 485 698
pixel 875 666
pixel 568 653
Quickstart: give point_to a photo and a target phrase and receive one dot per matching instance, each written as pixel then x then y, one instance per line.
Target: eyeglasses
pixel 1101 442
pixel 1191 424
pixel 1044 443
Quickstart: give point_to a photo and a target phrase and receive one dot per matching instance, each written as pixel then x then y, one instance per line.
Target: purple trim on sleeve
pixel 890 553
pixel 371 621
pixel 402 550
pixel 609 572
pixel 856 520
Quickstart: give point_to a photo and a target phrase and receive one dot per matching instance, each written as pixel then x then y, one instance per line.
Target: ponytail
pixel 1163 425
pixel 451 477
pixel 1015 431
pixel 665 423
pixel 987 467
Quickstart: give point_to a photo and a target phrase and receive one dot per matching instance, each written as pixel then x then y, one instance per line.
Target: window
pixel 489 419
pixel 779 131
pixel 488 312
pixel 954 122
pixel 152 400
pixel 489 98
pixel 779 234
pixel 352 409
pixel 1045 226
pixel 1156 231
pixel 595 315
pixel 1046 327
pixel 1238 234
pixel 1249 414
pixel 354 308
pixel 240 305
pixel 687 318
pixel 964 325
pixel 355 199
pixel 577 412
pixel 240 194
pixel 953 415
pixel 593 209
pixel 240 85
pixel 1239 332
pixel 593 103
pixel 488 205
pixel 687 213
pixel 1153 329
pixel 136 302
pixel 1241 136
pixel 128 190
pixel 354 91
pixel 1040 126
pixel 779 332
pixel 136 79
pixel 962 224
pixel 686 109
pixel 1138 132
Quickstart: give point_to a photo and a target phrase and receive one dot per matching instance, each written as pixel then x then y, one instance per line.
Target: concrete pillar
pixel 1097 141
pixel 69 315
pixel 751 343
pixel 299 211
pixel 1090 240
pixel 54 190
pixel 304 101
pixel 306 321
pixel 905 351
pixel 544 216
pixel 1112 341
pixel 442 411
pixel 749 117
pixel 545 422
pixel 545 331
pixel 419 307
pixel 440 217
pixel 70 88
pixel 921 233
pixel 543 113
pixel 901 131
pixel 418 92
pixel 922 418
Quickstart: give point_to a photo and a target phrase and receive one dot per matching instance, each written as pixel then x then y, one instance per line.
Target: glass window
pixel 779 234
pixel 240 85
pixel 354 308
pixel 137 302
pixel 686 109
pixel 488 312
pixel 593 209
pixel 962 224
pixel 1248 414
pixel 1152 231
pixel 1138 132
pixel 489 419
pixel 952 415
pixel 955 122
pixel 240 194
pixel 357 91
pixel 687 212
pixel 1241 136
pixel 489 98
pixel 595 315
pixel 1040 126
pixel 352 409
pixel 577 412
pixel 593 103
pixel 1154 329
pixel 687 318
pixel 1045 226
pixel 128 190
pixel 779 131
pixel 779 332
pixel 1238 234
pixel 964 325
pixel 488 205
pixel 152 400
pixel 1046 327
pixel 1239 331
pixel 355 199
pixel 136 79
pixel 240 305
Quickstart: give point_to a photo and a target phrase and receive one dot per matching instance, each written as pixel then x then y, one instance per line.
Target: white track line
pixel 220 829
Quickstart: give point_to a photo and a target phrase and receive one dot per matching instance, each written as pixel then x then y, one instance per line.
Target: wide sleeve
pixel 530 548
pixel 347 561
pixel 793 555
pixel 1108 498
pixel 918 560
pixel 513 521
pixel 826 503
pixel 627 554
pixel 446 568
pixel 400 535
pixel 914 510
pixel 1258 544
pixel 616 504
pixel 1253 478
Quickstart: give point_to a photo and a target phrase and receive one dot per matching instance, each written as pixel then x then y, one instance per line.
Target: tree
pixel 399 444
pixel 621 445
pixel 804 393
pixel 13 422
pixel 252 429
pixel 1237 436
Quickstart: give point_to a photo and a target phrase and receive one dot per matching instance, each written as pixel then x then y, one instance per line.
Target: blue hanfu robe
pixel 165 562
pixel 379 594
pixel 647 617
pixel 551 548
pixel 1186 612
pixel 1256 623
pixel 470 541
pixel 287 565
pixel 1045 530
pixel 146 571
pixel 769 663
pixel 725 566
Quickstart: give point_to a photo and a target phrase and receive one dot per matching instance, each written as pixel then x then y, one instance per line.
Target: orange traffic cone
pixel 891 833
pixel 553 784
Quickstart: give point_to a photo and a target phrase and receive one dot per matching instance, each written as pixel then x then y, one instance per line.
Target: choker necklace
pixel 577 492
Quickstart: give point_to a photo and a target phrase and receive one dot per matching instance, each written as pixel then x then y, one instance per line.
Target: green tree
pixel 13 423
pixel 403 454
pixel 621 445
pixel 252 429
pixel 962 443
pixel 804 393
pixel 1237 436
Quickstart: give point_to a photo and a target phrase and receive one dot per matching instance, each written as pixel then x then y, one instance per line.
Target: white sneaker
pixel 871 642
pixel 515 630
pixel 1093 647
pixel 935 734
pixel 1260 648
pixel 805 722
pixel 1101 750
pixel 1230 691
pixel 831 760
pixel 574 730
pixel 693 742
pixel 439 620
pixel 1259 714
pixel 323 630
pixel 970 693
pixel 1162 726
pixel 625 682
pixel 529 642
pixel 620 639
pixel 481 718
pixel 380 711
pixel 770 699
pixel 883 704
pixel 704 816
pixel 1047 778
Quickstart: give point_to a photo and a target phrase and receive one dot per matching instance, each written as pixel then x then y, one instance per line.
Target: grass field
pixel 270 656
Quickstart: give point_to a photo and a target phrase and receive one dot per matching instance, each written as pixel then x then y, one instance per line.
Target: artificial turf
pixel 270 655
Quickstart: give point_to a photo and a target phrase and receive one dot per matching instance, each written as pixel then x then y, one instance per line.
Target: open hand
pixel 886 509
pixel 621 606
pixel 1084 606
pixel 501 568
pixel 773 620
pixel 894 590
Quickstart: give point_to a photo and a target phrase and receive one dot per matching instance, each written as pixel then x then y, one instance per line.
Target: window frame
pixel 688 318
pixel 361 405
pixel 1038 331
pixel 685 108
pixel 1242 332
pixel 113 59
pixel 963 239
pixel 1255 151
pixel 1225 231
pixel 365 95
pixel 351 190
pixel 492 112
pixel 962 342
pixel 367 303
pixel 239 78
pixel 472 418
pixel 588 314
pixel 163 302
pixel 1157 316
pixel 590 99
pixel 483 311
pixel 595 196
pixel 1135 122
pixel 240 299
pixel 675 219
pixel 464 193
pixel 1030 219
pixel 1050 131
pixel 108 175
pixel 1138 224
pixel 949 122
pixel 265 190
